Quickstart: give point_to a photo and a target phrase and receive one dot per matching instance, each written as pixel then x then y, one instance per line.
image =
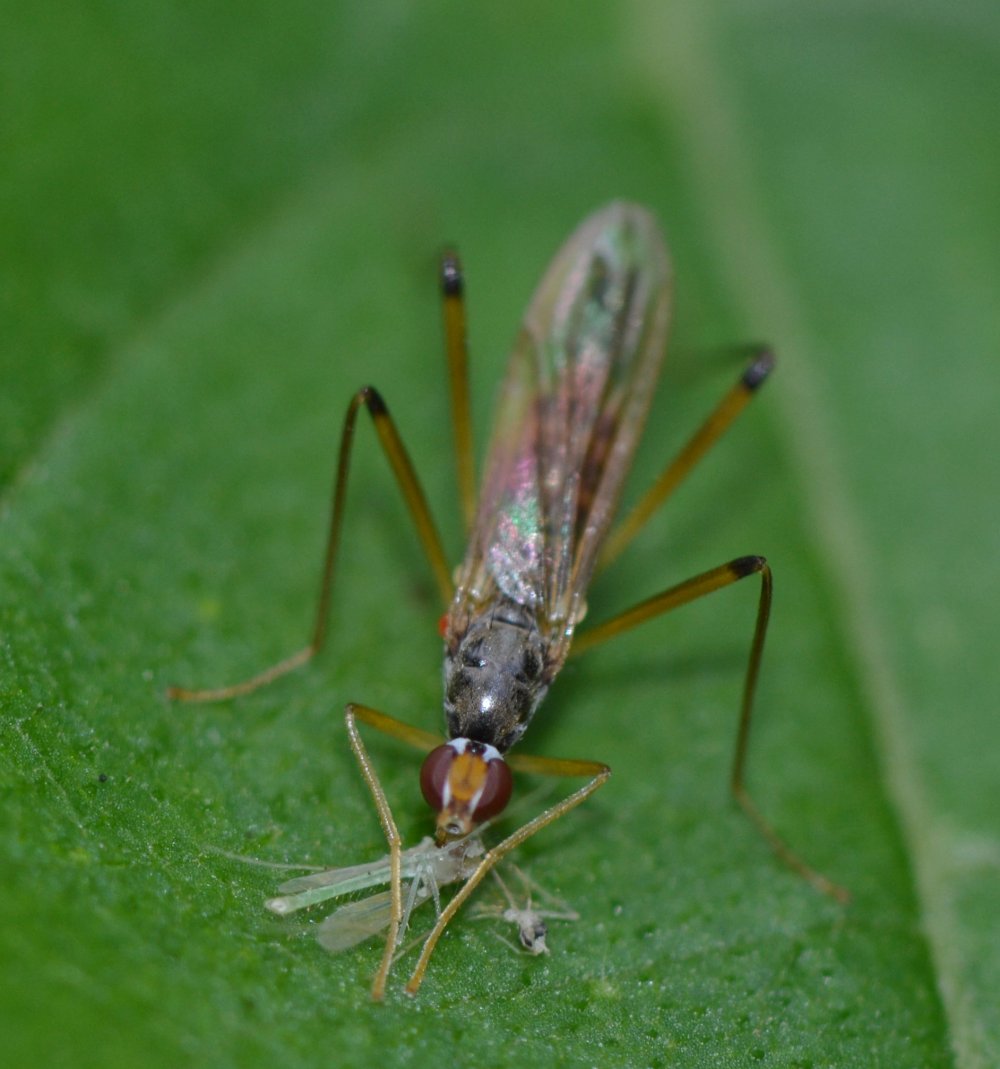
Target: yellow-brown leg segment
pixel 701 441
pixel 675 596
pixel 457 350
pixel 416 502
pixel 420 740
pixel 551 766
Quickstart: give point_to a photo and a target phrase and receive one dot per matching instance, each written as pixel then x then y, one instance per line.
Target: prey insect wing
pixel 357 922
pixel 425 863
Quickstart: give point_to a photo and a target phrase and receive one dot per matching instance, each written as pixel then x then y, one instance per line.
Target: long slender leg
pixel 420 740
pixel 672 598
pixel 718 422
pixel 409 484
pixel 599 773
pixel 457 349
pixel 395 851
pixel 425 741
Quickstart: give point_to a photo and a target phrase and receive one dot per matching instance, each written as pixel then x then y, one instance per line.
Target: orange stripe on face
pixel 466 778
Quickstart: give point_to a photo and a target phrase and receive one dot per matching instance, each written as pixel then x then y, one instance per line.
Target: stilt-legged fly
pixel 570 413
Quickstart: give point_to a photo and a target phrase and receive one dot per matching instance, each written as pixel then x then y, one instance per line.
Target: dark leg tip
pixel 451 274
pixel 758 371
pixel 745 566
pixel 373 399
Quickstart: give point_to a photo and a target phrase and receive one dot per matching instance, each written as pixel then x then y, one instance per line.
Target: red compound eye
pixel 466 778
pixel 496 791
pixel 434 775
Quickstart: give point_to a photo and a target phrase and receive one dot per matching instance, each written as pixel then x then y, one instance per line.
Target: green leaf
pixel 219 224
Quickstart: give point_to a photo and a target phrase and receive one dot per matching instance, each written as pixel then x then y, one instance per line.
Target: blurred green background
pixel 217 221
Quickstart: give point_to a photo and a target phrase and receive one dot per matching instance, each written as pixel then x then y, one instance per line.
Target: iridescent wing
pixel 570 414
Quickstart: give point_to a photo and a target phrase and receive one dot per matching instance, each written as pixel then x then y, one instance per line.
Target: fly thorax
pixel 496 676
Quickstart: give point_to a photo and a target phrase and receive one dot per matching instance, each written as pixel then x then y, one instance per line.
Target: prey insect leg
pixel 413 494
pixel 681 594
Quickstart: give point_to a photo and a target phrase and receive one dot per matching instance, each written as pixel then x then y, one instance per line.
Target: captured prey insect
pixel 569 417
pixel 529 919
pixel 427 866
